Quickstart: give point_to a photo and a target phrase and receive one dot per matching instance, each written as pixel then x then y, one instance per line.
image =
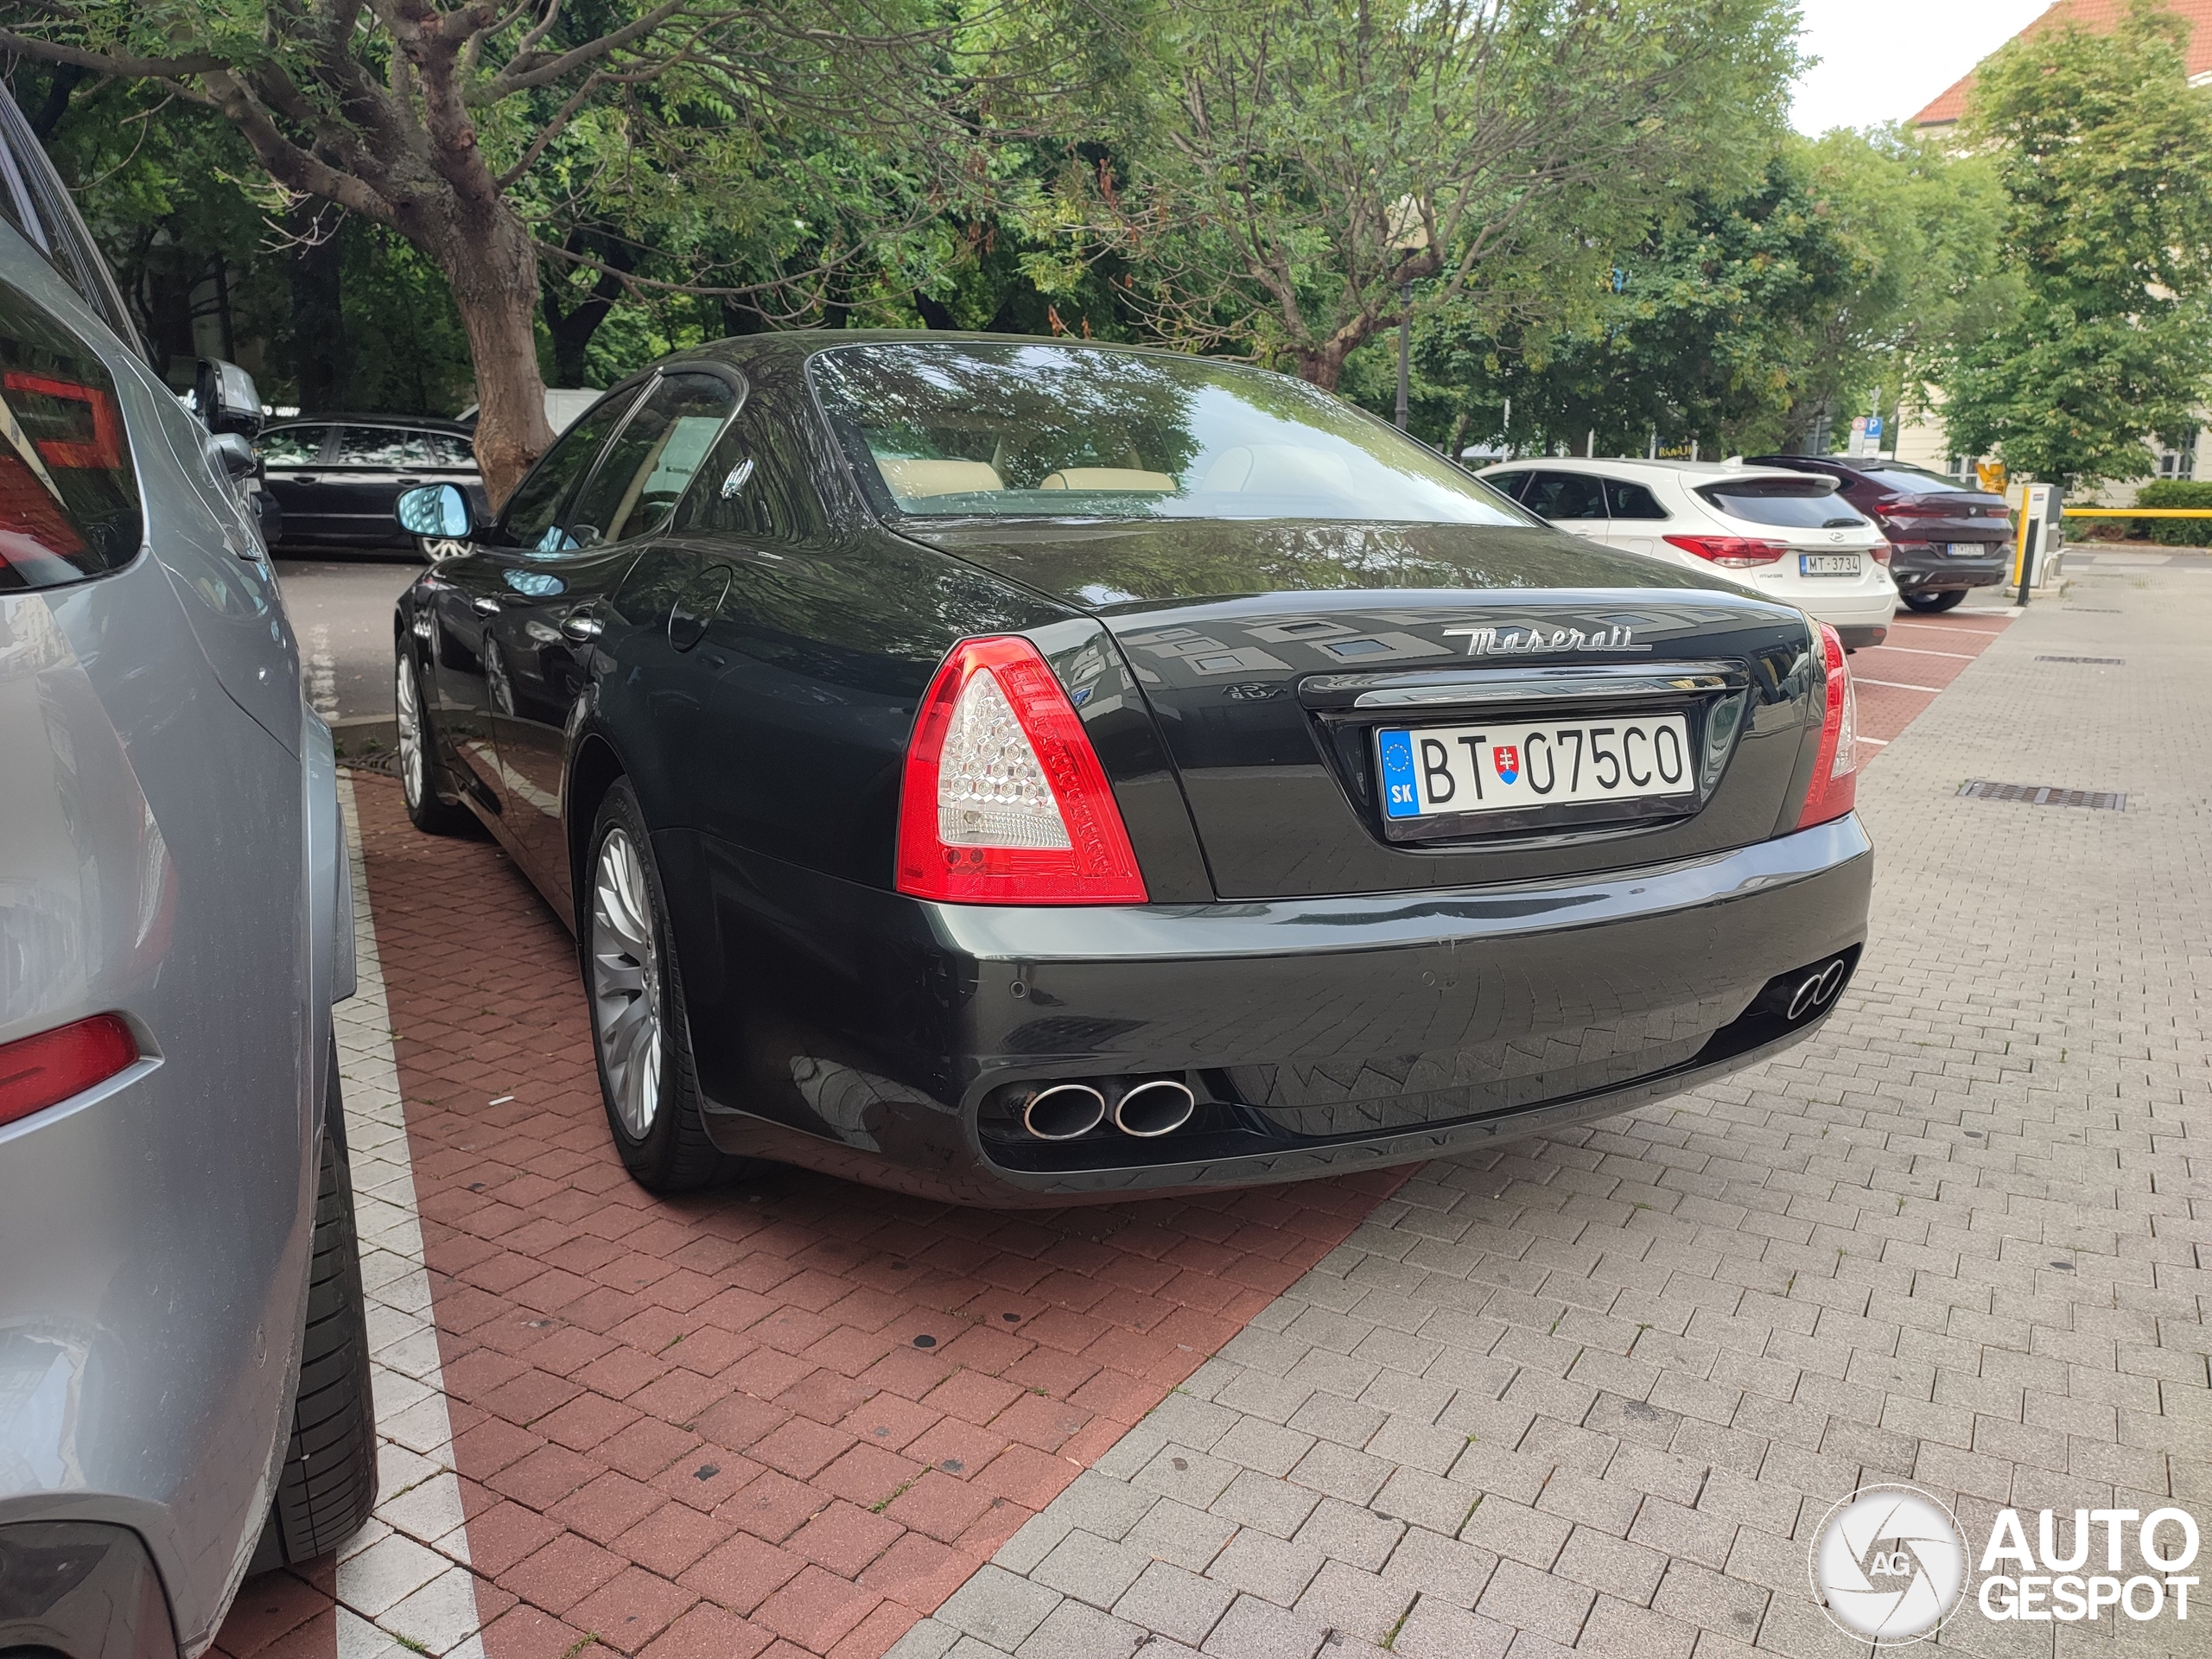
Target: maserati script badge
pixel 1528 641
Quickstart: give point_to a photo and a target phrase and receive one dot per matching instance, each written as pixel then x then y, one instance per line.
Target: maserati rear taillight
pixel 1004 801
pixel 1835 788
pixel 36 1073
pixel 1733 551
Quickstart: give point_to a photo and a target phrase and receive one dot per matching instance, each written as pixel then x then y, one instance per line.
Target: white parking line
pixel 404 1583
pixel 1921 651
pixel 1897 686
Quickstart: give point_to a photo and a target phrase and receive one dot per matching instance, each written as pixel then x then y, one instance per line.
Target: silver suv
pixel 184 1388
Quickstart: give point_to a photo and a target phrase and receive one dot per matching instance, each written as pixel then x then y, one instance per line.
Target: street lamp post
pixel 1409 234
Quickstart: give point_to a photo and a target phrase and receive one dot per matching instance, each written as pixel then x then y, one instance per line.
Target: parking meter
pixel 2042 546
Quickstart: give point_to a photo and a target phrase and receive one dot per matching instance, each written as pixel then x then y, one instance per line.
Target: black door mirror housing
pixel 232 455
pixel 226 398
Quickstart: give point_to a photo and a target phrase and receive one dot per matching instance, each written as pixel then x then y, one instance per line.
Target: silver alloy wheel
pixel 625 982
pixel 414 767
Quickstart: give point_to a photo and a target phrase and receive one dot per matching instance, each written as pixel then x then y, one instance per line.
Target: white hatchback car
pixel 1785 536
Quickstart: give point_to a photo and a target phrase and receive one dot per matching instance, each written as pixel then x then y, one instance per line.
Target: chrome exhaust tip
pixel 1063 1112
pixel 1160 1107
pixel 1815 990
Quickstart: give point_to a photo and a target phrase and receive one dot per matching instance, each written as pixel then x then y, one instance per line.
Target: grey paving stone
pixel 998 1607
pixel 1534 1601
pixel 1438 1630
pixel 928 1638
pixel 1253 1629
pixel 1090 1569
pixel 1272 1505
pixel 1364 1605
pixel 1343 1532
pixel 1176 1603
pixel 1660 1346
pixel 1072 1630
pixel 1273 1568
pixel 1176 1532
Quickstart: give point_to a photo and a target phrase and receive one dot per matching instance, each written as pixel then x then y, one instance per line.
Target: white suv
pixel 1785 536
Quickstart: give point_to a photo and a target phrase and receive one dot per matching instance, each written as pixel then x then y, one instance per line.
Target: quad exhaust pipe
pixel 1815 989
pixel 1148 1109
pixel 1160 1107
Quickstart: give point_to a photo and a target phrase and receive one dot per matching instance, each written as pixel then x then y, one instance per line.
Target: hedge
pixel 2176 493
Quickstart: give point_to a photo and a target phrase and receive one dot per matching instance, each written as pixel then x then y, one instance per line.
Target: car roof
pixel 408 423
pixel 1630 467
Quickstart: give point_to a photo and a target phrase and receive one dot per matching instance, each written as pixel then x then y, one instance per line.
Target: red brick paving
pixel 703 1425
pixel 699 1427
pixel 1921 651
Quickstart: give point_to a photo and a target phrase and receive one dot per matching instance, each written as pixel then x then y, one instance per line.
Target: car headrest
pixel 1107 478
pixel 913 481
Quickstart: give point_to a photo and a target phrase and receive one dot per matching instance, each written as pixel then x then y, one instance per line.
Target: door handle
pixel 484 605
pixel 305 478
pixel 583 625
pixel 407 480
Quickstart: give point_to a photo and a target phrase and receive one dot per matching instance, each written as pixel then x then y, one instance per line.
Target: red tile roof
pixel 2095 15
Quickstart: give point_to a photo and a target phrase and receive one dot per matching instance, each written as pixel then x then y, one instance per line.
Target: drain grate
pixel 2105 800
pixel 2109 662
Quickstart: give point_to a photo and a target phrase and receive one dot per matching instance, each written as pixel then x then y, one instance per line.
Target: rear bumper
pixel 1917 567
pixel 78 1587
pixel 1324 1034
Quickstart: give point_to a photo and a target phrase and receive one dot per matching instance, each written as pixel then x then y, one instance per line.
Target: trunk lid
pixel 1273 654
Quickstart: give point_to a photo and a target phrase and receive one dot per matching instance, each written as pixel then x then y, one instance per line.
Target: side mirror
pixel 438 510
pixel 226 398
pixel 232 455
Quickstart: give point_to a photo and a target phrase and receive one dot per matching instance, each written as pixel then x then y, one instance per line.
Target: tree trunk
pixel 318 316
pixel 572 329
pixel 488 256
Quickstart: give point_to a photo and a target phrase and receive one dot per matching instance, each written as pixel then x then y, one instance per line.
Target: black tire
pixel 665 1147
pixel 422 779
pixel 1942 601
pixel 328 1483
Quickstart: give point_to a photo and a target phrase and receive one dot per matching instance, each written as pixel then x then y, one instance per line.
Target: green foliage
pixel 2098 142
pixel 2176 493
pixel 1743 321
pixel 1303 160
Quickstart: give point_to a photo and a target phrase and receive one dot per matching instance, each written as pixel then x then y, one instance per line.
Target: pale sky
pixel 1883 59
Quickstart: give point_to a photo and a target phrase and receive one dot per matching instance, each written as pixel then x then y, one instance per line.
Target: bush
pixel 2177 532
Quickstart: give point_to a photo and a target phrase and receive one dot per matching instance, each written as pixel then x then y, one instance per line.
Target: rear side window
pixel 528 521
pixel 648 467
pixel 372 446
pixel 68 491
pixel 1629 501
pixel 292 446
pixel 446 450
pixel 1787 503
pixel 1558 496
pixel 1506 483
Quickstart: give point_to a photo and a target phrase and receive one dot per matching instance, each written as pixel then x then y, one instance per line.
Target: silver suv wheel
pixel 414 773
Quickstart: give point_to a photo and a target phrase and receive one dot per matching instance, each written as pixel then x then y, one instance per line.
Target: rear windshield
pixel 68 493
pixel 1918 481
pixel 959 430
pixel 1788 503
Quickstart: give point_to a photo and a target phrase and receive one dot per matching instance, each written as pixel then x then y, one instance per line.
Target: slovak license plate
pixel 1827 564
pixel 1967 550
pixel 1430 771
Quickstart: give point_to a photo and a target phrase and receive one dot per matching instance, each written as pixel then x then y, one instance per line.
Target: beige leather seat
pixel 917 480
pixel 1108 478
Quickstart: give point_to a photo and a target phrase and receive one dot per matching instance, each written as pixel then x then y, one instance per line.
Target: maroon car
pixel 1945 537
